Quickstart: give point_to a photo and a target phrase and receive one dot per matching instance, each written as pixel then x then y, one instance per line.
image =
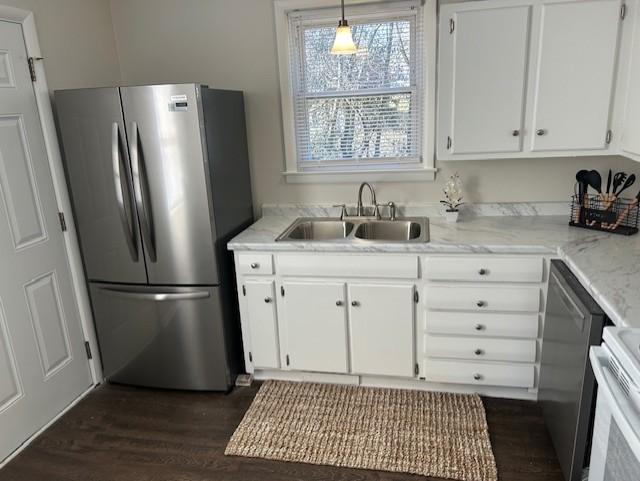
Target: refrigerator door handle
pixel 155 296
pixel 119 177
pixel 137 167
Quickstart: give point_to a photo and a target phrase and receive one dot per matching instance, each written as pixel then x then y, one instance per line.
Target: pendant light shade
pixel 343 43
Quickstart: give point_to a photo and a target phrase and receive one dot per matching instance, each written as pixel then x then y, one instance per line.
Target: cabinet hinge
pixel 452 25
pixel 87 348
pixel 609 136
pixel 250 357
pixel 623 11
pixel 32 68
pixel 416 296
pixel 244 290
pixel 63 222
pixel 287 359
pixel 416 369
pixel 282 291
pixel 449 142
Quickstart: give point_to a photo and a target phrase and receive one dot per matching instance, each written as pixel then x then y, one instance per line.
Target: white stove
pixel 615 452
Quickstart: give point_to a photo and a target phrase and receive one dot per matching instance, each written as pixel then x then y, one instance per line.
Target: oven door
pixel 615 451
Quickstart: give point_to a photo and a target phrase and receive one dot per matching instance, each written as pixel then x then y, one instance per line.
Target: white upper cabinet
pixel 630 143
pixel 526 78
pixel 483 70
pixel 575 74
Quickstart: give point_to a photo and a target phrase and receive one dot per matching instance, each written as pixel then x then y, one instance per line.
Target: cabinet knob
pixel 355 303
pixel 481 303
pixel 515 133
pixel 255 265
pixel 541 132
pixel 338 303
pixel 479 327
pixel 478 352
pixel 483 272
pixel 477 376
pixel 268 300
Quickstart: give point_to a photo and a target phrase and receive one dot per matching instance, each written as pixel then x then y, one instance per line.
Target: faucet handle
pixel 343 212
pixel 392 210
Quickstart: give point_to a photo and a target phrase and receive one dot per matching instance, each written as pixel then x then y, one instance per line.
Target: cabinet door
pixel 574 75
pixel 316 327
pixel 382 325
pixel 483 63
pixel 263 328
pixel 631 130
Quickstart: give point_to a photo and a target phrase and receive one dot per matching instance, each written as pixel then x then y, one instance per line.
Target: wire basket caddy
pixel 598 212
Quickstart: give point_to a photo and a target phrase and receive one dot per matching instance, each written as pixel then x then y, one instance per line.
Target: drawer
pixel 481 348
pixel 479 298
pixel 486 374
pixel 484 269
pixel 258 264
pixel 370 266
pixel 491 324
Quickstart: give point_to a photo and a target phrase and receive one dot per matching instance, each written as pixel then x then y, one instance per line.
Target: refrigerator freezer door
pixel 166 337
pixel 99 174
pixel 168 161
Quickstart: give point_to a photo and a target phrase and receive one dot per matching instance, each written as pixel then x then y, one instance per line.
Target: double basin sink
pixel 365 229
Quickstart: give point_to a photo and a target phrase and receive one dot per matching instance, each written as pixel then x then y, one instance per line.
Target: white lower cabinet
pixel 381 320
pixel 315 321
pixel 262 323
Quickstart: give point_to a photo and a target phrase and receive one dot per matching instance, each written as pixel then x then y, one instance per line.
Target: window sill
pixel 341 177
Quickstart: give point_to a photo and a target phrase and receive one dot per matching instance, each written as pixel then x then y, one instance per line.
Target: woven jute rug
pixel 433 434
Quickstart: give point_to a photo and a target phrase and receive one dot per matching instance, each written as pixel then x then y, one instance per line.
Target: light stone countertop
pixel 608 265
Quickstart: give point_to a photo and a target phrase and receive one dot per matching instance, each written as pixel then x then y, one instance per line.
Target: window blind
pixel 364 109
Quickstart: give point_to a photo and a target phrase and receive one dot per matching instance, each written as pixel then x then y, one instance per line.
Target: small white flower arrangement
pixel 452 197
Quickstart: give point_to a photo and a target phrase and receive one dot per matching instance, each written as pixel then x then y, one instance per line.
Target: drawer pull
pixel 479 327
pixel 355 303
pixel 477 376
pixel 255 265
pixel 483 272
pixel 478 352
pixel 481 303
pixel 268 300
pixel 338 303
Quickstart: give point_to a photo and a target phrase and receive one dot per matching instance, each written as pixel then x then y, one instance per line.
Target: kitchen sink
pixel 357 229
pixel 389 230
pixel 317 229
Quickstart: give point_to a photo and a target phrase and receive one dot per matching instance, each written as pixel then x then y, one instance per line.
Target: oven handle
pixel 627 418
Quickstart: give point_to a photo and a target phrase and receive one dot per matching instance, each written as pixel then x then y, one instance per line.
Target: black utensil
pixel 618 179
pixel 609 181
pixel 628 183
pixel 594 180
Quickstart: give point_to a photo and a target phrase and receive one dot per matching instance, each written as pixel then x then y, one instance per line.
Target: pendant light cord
pixel 342 22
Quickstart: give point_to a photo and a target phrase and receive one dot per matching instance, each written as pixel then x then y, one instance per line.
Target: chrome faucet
pixel 373 199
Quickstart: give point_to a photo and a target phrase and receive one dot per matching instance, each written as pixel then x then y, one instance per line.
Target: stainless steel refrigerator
pixel 159 180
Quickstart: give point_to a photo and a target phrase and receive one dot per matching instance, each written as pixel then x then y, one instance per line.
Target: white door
pixel 316 327
pixel 482 89
pixel 43 363
pixel 263 330
pixel 381 323
pixel 574 76
pixel 631 130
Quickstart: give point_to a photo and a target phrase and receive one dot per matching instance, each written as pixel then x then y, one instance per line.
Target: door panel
pixel 43 365
pixel 100 184
pixel 631 133
pixel 484 61
pixel 575 74
pixel 170 179
pixel 382 325
pixel 316 327
pixel 161 336
pixel 263 328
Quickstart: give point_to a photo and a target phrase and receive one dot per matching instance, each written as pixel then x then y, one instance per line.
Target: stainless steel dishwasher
pixel 573 323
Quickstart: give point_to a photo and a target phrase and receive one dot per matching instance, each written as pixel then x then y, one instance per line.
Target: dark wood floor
pixel 125 434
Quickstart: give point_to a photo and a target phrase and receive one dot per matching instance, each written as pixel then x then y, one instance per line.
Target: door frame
pixel 26 20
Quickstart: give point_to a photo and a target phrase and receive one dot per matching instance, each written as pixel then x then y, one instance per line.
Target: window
pixel 362 112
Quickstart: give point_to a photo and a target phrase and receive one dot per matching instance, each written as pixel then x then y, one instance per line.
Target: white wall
pixel 76 39
pixel 231 44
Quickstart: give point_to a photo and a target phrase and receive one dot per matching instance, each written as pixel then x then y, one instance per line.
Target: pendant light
pixel 343 43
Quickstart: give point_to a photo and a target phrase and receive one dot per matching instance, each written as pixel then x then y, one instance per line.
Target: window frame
pixel 385 171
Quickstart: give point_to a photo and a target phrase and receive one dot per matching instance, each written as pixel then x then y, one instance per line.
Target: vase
pixel 451 215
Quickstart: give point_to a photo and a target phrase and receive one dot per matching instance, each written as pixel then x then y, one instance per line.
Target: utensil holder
pixel 597 212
